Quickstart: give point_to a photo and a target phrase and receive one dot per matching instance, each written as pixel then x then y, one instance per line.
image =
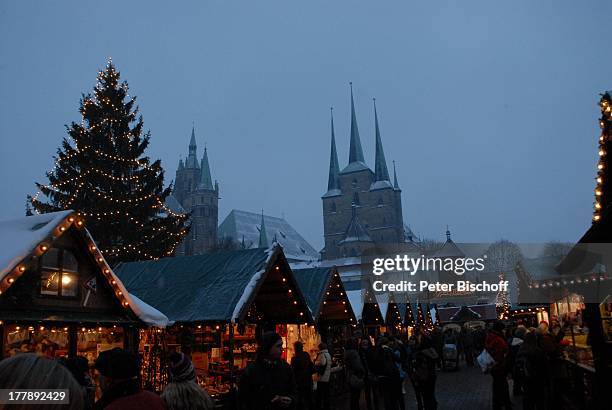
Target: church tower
pixel 361 207
pixel 195 192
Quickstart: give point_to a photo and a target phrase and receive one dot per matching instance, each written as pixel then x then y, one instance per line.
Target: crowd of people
pixel 533 359
pixel 119 382
pixel 376 373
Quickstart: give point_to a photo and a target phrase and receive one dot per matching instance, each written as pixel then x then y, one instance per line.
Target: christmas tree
pixel 502 304
pixel 603 194
pixel 101 172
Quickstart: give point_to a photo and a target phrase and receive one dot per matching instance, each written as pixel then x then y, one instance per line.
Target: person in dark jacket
pixel 355 373
pixel 424 372
pixel 268 383
pixel 119 370
pixel 531 367
pixel 303 369
pixel 368 361
pixel 389 375
pixel 497 347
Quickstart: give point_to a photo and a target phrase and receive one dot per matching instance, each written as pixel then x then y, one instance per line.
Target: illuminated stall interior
pixel 58 296
pixel 330 308
pixel 220 304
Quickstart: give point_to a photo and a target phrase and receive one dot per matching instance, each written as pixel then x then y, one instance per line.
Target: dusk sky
pixel 489 108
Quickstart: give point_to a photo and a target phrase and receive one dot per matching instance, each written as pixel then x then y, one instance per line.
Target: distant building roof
pixel 240 225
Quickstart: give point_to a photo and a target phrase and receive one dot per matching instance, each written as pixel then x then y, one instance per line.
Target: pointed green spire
pixel 395 184
pixel 355 150
pixel 263 237
pixel 205 178
pixel 381 173
pixel 192 158
pixel 334 181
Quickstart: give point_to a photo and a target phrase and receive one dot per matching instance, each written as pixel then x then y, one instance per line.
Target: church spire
pixel 355 150
pixel 263 237
pixel 395 184
pixel 381 173
pixel 205 177
pixel 192 158
pixel 333 183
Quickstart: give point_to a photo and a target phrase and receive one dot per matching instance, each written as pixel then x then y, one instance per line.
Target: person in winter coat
pixel 323 364
pixel 268 383
pixel 119 371
pixel 303 369
pixel 368 361
pixel 424 372
pixel 183 392
pixel 497 347
pixel 389 375
pixel 515 343
pixel 355 373
pixel 531 367
pixel 467 342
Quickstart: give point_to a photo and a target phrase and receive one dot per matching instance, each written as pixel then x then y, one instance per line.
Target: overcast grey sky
pixel 489 108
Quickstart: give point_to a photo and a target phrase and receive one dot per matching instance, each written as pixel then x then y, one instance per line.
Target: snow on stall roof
pixel 146 312
pixel 19 237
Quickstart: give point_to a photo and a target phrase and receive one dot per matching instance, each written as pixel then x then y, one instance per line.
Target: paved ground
pixel 466 388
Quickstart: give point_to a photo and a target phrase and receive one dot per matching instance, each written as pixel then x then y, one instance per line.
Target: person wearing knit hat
pixel 183 392
pixel 268 383
pixel 120 384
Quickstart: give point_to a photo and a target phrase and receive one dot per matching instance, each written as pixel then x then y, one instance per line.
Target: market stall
pixel 220 303
pixel 58 296
pixel 367 310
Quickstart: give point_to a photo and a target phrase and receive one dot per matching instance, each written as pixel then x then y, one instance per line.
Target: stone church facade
pixel 362 207
pixel 195 192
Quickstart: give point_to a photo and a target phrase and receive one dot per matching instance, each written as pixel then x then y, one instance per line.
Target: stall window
pixel 59 273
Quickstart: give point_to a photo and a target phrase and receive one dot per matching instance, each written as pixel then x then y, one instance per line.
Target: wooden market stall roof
pixel 325 294
pixel 467 313
pixel 363 302
pixel 252 284
pixel 23 241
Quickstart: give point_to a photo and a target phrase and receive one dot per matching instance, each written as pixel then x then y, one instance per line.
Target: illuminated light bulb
pixel 217 327
pixel 107 271
pixel 284 280
pixel 71 219
pixel 42 328
pixel 597 205
pixel 17 328
pixel 596 218
pixel 22 269
pixel 82 329
pixel 295 302
pixel 43 248
pixel 66 279
pixel 325 302
pixel 602 153
pixel 301 313
pixel 600 166
pixel 125 304
pixel 62 229
pixel 99 329
pixel 114 282
pixel 120 293
pixel 277 268
pixel 79 223
pixel 100 259
pixel 290 291
pixel 597 192
pixel 599 179
pixel 65 329
pixel 11 280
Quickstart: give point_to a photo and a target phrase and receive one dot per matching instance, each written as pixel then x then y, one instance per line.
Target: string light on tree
pixel 101 171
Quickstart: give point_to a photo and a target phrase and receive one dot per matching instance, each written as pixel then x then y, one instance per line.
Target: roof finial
pixel 448 234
